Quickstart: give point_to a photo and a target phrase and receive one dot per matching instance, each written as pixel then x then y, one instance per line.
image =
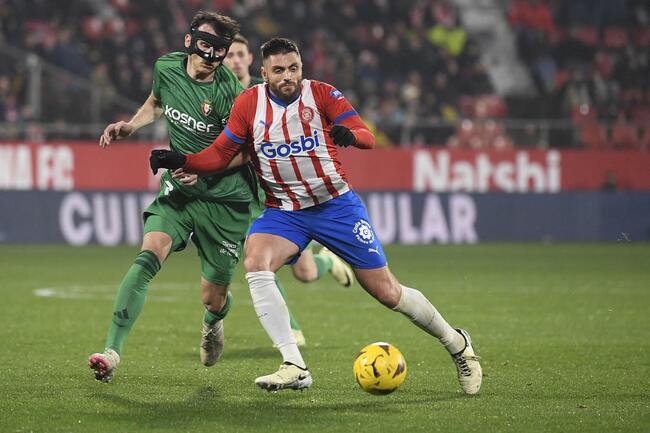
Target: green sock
pixel 211 318
pixel 294 323
pixel 130 298
pixel 323 264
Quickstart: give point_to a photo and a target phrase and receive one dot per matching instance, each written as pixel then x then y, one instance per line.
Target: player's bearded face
pixel 283 72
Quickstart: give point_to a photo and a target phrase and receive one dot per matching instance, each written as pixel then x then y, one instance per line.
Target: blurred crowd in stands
pixel 590 60
pixel 407 62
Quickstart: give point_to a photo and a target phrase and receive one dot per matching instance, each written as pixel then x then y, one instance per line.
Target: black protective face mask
pixel 216 43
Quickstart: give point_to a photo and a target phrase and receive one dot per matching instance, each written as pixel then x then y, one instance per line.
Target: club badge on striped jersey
pixel 307 114
pixel 206 107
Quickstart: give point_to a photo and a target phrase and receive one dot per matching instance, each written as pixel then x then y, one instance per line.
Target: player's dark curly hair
pixel 278 46
pixel 222 25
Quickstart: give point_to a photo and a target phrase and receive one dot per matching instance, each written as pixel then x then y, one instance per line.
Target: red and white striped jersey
pixel 289 144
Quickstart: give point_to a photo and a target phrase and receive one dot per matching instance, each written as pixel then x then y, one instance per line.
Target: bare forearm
pixel 240 159
pixel 146 114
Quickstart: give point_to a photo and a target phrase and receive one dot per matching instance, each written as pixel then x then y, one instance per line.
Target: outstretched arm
pixel 213 158
pixel 220 153
pixel 146 114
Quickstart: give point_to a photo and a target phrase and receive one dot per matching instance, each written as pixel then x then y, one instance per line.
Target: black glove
pixel 342 136
pixel 166 159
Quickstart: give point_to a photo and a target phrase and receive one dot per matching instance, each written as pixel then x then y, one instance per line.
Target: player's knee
pixel 304 274
pixel 159 250
pixel 214 304
pixel 254 263
pixel 213 295
pixel 158 243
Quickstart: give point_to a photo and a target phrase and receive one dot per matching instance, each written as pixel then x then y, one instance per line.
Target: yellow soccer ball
pixel 380 368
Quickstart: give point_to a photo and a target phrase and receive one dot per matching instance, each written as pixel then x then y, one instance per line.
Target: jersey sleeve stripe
pixel 233 137
pixel 345 115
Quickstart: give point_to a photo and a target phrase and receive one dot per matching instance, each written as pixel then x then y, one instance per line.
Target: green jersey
pixel 196 114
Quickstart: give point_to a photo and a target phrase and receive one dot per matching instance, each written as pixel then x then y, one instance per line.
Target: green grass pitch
pixel 563 331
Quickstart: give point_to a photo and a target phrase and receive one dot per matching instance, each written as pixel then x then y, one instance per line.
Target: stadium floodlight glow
pixel 215 42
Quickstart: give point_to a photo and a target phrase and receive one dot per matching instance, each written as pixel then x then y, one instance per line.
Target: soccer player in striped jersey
pixel 290 128
pixel 309 267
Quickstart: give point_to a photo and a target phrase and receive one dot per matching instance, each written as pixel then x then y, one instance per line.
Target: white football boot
pixel 104 364
pixel 470 374
pixel 289 376
pixel 341 271
pixel 212 341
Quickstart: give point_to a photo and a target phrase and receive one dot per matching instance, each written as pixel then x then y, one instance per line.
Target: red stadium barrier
pixel 78 166
pixel 124 167
pixel 440 169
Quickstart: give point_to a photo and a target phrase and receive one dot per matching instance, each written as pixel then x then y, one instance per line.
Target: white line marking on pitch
pixel 102 292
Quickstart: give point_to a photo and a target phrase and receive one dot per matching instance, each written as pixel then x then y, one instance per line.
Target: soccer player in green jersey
pixel 309 267
pixel 195 93
pixel 239 60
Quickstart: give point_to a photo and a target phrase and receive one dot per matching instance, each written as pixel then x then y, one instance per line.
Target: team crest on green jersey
pixel 206 107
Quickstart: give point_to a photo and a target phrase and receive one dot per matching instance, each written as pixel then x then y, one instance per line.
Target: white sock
pixel 274 315
pixel 414 305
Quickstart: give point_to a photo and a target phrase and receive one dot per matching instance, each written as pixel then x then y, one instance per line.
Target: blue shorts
pixel 341 224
